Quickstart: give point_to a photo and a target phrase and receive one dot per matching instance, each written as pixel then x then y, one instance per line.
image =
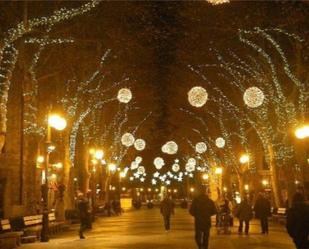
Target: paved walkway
pixel 143 230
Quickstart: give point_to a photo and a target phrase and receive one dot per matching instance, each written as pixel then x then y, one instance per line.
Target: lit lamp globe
pixel 139 144
pixel 127 139
pixel 112 167
pixel 302 132
pixel 218 171
pixel 244 159
pixel 197 96
pixel 124 95
pixel 40 159
pixel 99 154
pixel 191 161
pixel 200 147
pixel 253 97
pixel 134 165
pixel 138 159
pixel 220 142
pixel 57 122
pixel 190 167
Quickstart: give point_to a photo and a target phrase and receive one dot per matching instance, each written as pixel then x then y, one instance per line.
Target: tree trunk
pixel 274 177
pixel 241 185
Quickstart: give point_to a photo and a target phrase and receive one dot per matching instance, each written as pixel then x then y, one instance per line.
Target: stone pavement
pixel 144 230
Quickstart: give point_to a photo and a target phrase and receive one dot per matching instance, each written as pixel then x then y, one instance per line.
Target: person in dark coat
pixel 262 211
pixel 298 222
pixel 83 206
pixel 167 209
pixel 202 209
pixel 244 214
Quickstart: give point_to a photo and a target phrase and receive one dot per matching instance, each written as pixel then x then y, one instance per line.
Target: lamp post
pixel 58 123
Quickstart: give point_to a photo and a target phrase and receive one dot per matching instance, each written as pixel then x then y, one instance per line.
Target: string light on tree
pixel 197 96
pixel 220 142
pixel 141 170
pixel 124 95
pixel 138 159
pixel 200 147
pixel 127 139
pixel 254 97
pixel 139 144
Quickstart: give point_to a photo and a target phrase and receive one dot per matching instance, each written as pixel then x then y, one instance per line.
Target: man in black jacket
pixel 202 209
pixel 298 222
pixel 262 209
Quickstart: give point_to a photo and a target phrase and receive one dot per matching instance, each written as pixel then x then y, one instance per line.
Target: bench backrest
pixel 281 211
pixel 5 226
pixel 33 220
pixel 51 217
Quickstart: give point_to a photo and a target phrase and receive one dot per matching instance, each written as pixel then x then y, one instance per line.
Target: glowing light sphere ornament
pixel 134 165
pixel 200 147
pixel 127 139
pixel 141 170
pixel 139 144
pixel 191 161
pixel 253 97
pixel 175 167
pixel 197 96
pixel 124 95
pixel 158 162
pixel 220 142
pixel 138 159
pixel 170 148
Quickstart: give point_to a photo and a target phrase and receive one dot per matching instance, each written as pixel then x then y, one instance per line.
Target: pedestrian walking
pixel 298 221
pixel 167 209
pixel 83 207
pixel 244 214
pixel 262 211
pixel 202 209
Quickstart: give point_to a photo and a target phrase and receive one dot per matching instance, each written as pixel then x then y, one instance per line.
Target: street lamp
pixel 59 123
pixel 302 132
pixel 244 159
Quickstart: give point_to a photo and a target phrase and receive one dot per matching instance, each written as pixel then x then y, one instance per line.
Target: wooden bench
pixel 280 216
pixel 8 239
pixel 32 228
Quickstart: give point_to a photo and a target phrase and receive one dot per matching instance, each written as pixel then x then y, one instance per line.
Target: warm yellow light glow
pixel 149 189
pixel 58 165
pixel 51 147
pixel 122 174
pixel 124 189
pixel 246 187
pixel 175 190
pixel 191 190
pixel 224 189
pixel 302 132
pixel 157 190
pixel 57 122
pixel 94 161
pixel 141 189
pixel 205 176
pixel 99 154
pixel 112 167
pixel 218 171
pixel 265 182
pixel 92 151
pixel 244 158
pixel 40 159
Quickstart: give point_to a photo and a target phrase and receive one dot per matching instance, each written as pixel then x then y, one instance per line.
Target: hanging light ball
pixel 254 97
pixel 141 170
pixel 200 147
pixel 220 142
pixel 158 162
pixel 127 139
pixel 140 144
pixel 191 161
pixel 197 96
pixel 170 148
pixel 138 159
pixel 134 165
pixel 190 167
pixel 124 95
pixel 175 167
